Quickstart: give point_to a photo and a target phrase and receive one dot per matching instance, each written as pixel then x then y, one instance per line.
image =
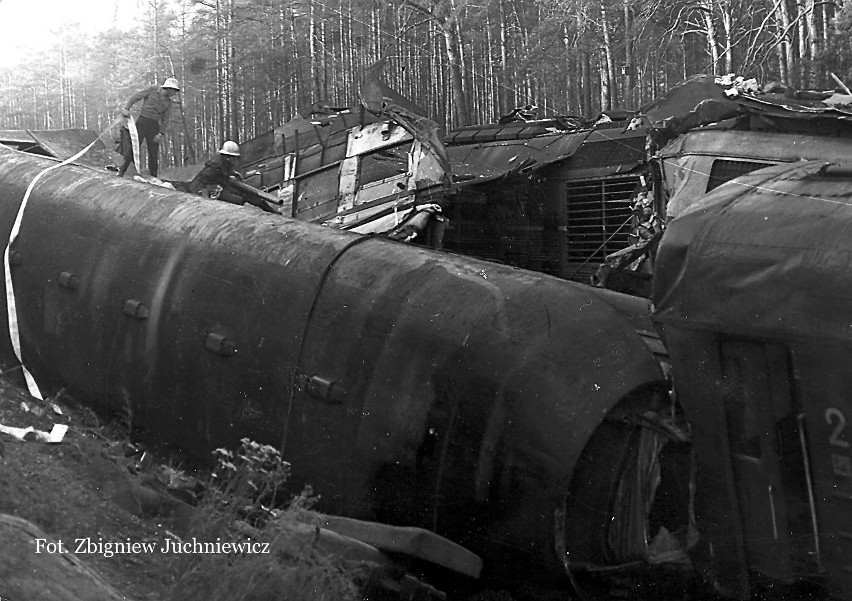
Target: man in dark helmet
pixel 214 179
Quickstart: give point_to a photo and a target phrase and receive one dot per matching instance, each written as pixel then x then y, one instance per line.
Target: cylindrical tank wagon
pixel 406 385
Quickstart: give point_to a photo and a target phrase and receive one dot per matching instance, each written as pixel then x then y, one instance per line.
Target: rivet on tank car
pixel 135 309
pixel 218 344
pixel 325 390
pixel 68 280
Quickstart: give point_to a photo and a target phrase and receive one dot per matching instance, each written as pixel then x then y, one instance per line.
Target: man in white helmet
pixel 156 105
pixel 214 179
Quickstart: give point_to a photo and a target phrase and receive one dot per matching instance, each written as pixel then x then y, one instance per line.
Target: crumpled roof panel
pixel 61 144
pixel 783 106
pixel 65 143
pixel 478 163
pixel 774 146
pixel 684 98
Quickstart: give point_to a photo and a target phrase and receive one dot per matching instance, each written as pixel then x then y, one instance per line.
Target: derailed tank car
pixel 514 413
pixel 753 290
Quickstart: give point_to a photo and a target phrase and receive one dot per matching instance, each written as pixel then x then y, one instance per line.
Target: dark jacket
pixel 154 105
pixel 215 172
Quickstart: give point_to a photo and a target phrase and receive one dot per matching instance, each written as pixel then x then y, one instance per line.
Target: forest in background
pixel 246 66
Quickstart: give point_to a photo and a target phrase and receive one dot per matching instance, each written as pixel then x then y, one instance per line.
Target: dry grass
pixel 290 571
pixel 241 485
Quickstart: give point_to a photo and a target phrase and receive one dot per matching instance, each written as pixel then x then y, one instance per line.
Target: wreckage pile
pixel 448 422
pixel 578 199
pixel 581 199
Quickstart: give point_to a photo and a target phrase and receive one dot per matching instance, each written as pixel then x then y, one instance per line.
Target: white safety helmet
pixel 230 148
pixel 171 83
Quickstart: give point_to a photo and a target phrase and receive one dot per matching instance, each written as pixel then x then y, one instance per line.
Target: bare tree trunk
pixel 506 103
pixel 221 60
pixel 459 100
pixel 706 7
pixel 725 7
pixel 154 9
pixel 609 92
pixel 586 84
pixel 826 11
pixel 62 83
pixel 573 77
pixel 464 61
pixel 490 78
pixel 518 11
pixel 780 51
pixel 233 87
pixel 801 23
pixel 813 46
pixel 297 88
pixel 189 142
pixel 323 66
pixel 448 22
pixel 312 51
pixel 629 60
pixel 792 75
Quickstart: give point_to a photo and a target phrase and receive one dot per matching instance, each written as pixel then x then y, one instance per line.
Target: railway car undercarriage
pixel 627 526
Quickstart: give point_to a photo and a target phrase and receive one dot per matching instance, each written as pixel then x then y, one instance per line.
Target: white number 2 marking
pixel 836 417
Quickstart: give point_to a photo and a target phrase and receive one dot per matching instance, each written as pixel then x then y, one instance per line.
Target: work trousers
pixel 146 128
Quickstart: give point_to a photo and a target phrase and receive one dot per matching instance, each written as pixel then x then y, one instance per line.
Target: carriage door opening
pixel 762 417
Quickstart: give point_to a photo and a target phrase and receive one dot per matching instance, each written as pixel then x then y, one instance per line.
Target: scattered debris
pixel 55 436
pixel 153 180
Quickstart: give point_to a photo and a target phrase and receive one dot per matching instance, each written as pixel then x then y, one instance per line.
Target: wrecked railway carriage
pixel 522 417
pixel 550 195
pixel 752 293
pixel 585 201
pixel 508 411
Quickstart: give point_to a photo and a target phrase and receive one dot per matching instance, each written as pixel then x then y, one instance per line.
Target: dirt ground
pixel 97 486
pixel 83 487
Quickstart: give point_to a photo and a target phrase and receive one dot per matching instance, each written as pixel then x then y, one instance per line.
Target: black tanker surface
pixel 406 385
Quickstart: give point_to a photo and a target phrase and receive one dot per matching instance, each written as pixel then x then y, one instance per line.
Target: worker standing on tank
pixel 156 105
pixel 214 179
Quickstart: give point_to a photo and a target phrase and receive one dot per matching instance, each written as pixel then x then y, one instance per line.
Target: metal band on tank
pixel 11 309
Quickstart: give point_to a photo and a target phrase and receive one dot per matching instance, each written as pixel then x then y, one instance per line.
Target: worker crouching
pixel 216 179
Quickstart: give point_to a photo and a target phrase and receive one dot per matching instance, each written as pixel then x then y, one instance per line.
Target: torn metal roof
pixel 479 163
pixel 514 130
pixel 60 143
pixel 784 113
pixel 16 138
pixel 756 145
pixel 588 153
pixel 708 101
pixel 684 98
